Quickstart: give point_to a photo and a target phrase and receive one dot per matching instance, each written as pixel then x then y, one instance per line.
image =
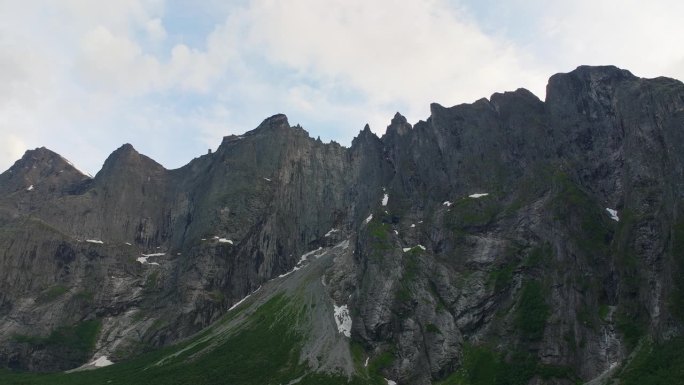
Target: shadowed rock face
pixel 536 267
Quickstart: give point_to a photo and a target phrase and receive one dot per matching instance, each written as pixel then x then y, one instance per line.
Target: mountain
pixel 508 241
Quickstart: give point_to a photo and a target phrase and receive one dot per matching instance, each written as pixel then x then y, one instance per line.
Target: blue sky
pixel 82 77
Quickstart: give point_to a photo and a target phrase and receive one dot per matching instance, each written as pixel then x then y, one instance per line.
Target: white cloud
pixel 194 70
pixel 421 52
pixel 11 149
pixel 640 36
pixel 155 30
pixel 82 77
pixel 24 73
pixel 120 16
pixel 116 63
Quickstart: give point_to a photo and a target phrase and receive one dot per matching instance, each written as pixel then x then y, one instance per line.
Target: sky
pixel 172 77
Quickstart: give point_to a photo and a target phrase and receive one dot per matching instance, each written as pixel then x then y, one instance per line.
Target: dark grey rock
pixel 231 220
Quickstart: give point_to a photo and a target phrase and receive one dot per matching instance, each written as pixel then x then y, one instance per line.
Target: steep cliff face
pixel 153 254
pixel 539 267
pixel 545 233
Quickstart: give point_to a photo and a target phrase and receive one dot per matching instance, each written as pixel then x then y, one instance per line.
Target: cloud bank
pixel 172 78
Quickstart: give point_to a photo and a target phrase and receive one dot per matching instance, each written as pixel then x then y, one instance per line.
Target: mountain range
pixel 507 241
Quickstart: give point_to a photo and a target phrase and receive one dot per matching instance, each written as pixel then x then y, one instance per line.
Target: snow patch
pixel 413 225
pixel 390 382
pixel 143 260
pixel 447 203
pixel 344 245
pixel 396 232
pixel 385 198
pixel 297 267
pixel 613 214
pixel 289 272
pixel 99 242
pixel 370 218
pixel 144 257
pixel 238 303
pixel 329 233
pixel 343 320
pixel 305 256
pixel 411 248
pixel 365 364
pixel 98 363
pixel 128 243
pixel 300 264
pixel 29 188
pixel 267 180
pixel 478 195
pixel 101 362
pixel 224 240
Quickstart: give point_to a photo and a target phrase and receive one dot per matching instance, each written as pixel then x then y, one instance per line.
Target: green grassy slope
pixel 264 349
pixel 656 364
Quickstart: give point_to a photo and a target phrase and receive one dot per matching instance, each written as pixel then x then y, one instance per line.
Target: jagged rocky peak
pixel 439 113
pixel 126 159
pixel 273 122
pixel 268 142
pixel 589 76
pixel 436 108
pixel 520 94
pixel 365 136
pixel 41 158
pixel 399 125
pixel 398 119
pixel 40 167
pixel 366 133
pixel 586 82
pixel 514 102
pixel 125 153
pixel 598 73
